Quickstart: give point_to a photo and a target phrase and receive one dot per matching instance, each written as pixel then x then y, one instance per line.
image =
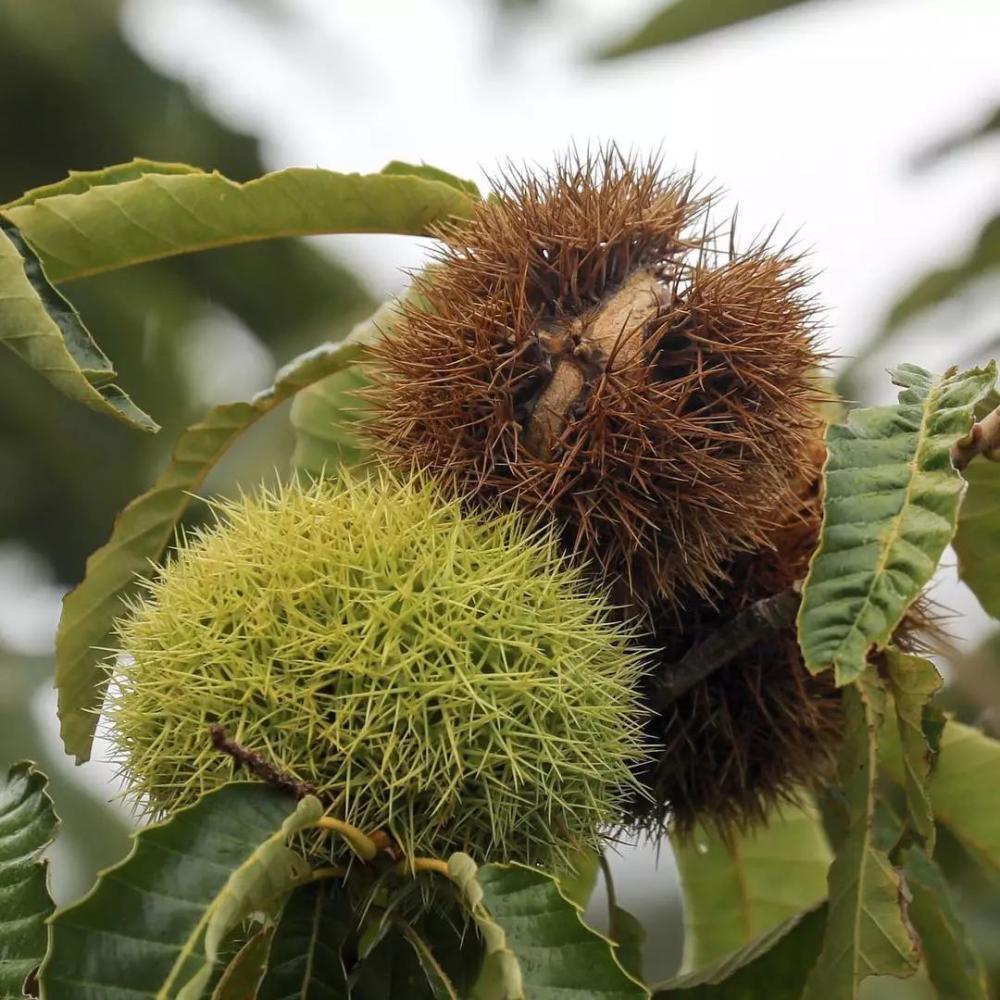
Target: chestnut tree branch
pixel 724 644
pixel 257 765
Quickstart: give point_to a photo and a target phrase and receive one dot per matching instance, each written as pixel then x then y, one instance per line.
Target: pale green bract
pixel 451 681
pixel 890 510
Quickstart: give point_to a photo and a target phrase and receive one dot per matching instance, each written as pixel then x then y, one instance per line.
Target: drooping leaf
pixel 890 509
pixel 144 529
pixel 977 540
pixel 158 214
pixel 577 884
pixel 952 963
pixel 537 945
pixel 866 932
pixel 965 790
pixel 626 933
pixel 241 977
pixel 27 826
pixel 78 181
pixel 153 924
pixel 39 325
pixel 681 20
pixel 913 681
pixel 946 282
pixel 326 415
pixel 737 890
pixel 306 960
pixel 629 935
pixel 775 965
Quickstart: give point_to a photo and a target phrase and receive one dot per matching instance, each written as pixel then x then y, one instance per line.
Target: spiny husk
pixel 761 729
pixel 447 680
pixel 587 350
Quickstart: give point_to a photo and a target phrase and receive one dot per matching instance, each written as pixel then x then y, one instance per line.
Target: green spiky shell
pixel 448 680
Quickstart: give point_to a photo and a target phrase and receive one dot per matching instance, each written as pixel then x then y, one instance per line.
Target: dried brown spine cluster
pixel 587 350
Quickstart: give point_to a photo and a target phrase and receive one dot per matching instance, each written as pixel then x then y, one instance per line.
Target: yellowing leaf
pixel 162 214
pixel 737 890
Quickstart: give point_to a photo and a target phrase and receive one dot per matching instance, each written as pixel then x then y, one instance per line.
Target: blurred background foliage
pixel 185 333
pixel 193 331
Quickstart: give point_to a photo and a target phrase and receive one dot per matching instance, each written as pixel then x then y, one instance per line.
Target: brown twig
pixel 724 644
pixel 983 439
pixel 257 765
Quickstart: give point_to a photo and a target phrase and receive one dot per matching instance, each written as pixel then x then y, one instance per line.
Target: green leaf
pixel 164 214
pixel 913 681
pixel 977 540
pixel 738 889
pixel 440 985
pixel 79 181
pixel 326 415
pixel 27 826
pixel 143 530
pixel 45 331
pixel 240 979
pixel 327 418
pixel 153 924
pixel 306 952
pixel 398 168
pixel 952 963
pixel 390 967
pixel 867 933
pixel 775 965
pixel 630 936
pixel 685 19
pixel 577 884
pixel 537 945
pixel 890 509
pixel 937 286
pixel 965 791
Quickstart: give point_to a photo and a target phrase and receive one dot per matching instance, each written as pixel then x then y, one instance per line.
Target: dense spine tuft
pixel 448 680
pixel 761 729
pixel 586 350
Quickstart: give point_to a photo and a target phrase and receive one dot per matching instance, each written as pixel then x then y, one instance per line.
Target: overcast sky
pixel 810 116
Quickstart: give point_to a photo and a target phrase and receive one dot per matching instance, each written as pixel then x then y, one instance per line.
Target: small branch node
pixel 257 765
pixel 725 643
